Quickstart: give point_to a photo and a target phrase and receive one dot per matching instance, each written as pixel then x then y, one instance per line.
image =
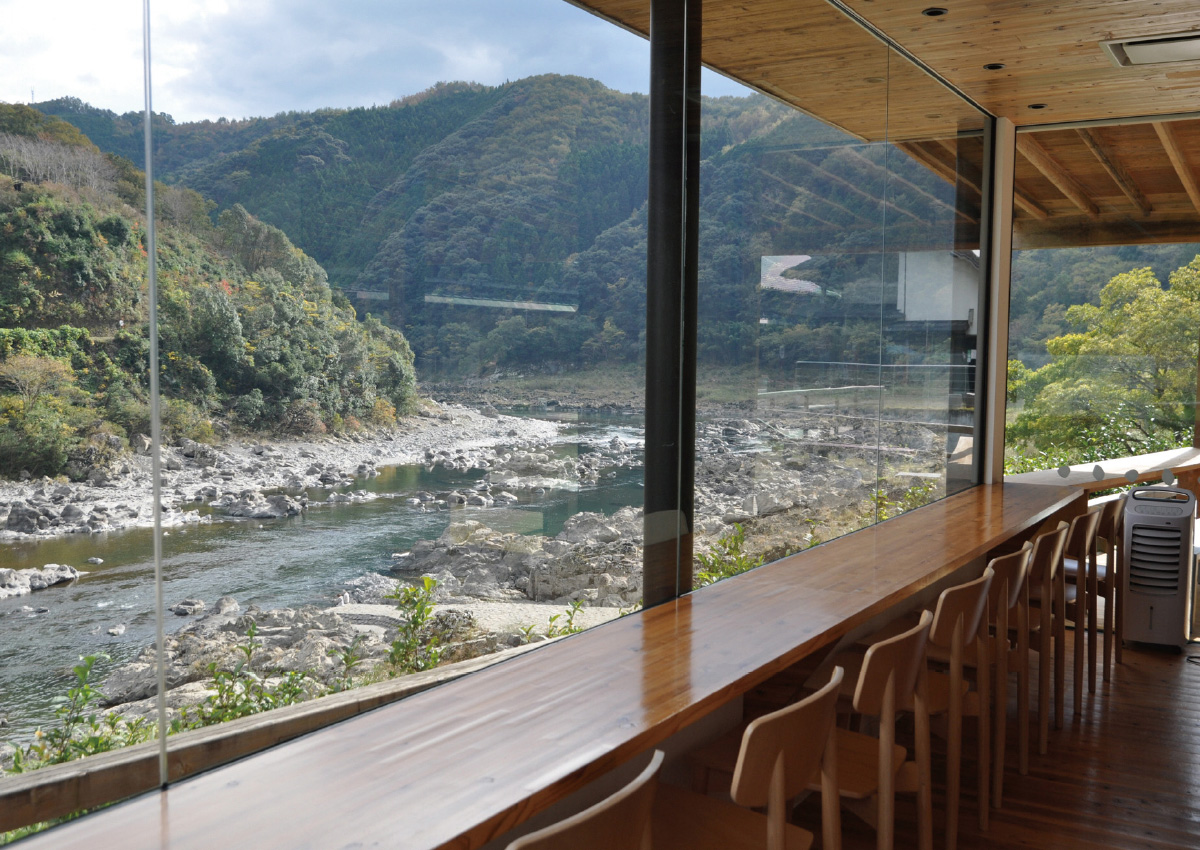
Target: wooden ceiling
pixel 1116 184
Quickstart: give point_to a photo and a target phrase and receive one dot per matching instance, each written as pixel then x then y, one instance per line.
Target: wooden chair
pixel 958 637
pixel 1077 595
pixel 1008 610
pixel 1044 571
pixel 1102 581
pixel 619 822
pixel 894 677
pixel 779 756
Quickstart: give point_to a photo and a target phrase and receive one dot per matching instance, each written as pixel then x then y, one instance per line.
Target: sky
pixel 215 58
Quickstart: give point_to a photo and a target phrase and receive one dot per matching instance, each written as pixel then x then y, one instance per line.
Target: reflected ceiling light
pixel 994 66
pixel 934 115
pixel 934 12
pixel 1155 50
pixel 872 79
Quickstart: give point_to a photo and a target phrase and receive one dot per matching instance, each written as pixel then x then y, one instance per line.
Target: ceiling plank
pixel 1116 171
pixel 1056 174
pixel 1166 135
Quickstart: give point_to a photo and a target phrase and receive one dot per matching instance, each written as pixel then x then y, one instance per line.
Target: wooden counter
pixel 464 762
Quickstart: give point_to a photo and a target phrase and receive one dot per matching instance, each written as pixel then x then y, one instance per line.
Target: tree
pixel 1126 379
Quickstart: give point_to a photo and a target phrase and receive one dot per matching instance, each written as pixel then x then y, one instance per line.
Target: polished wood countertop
pixel 462 763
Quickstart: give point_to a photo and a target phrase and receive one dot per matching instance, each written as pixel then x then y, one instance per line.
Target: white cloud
pixel 259 57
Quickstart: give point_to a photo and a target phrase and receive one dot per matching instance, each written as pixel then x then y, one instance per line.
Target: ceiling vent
pixel 1155 50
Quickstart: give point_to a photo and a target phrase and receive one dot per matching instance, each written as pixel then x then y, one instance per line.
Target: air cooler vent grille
pixel 1154 560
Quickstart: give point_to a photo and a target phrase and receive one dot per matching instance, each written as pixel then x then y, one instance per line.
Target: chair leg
pixel 1000 724
pixel 1109 624
pixel 953 761
pixel 1022 664
pixel 1045 660
pixel 1119 605
pixel 1060 660
pixel 925 771
pixel 1079 638
pixel 1093 634
pixel 985 738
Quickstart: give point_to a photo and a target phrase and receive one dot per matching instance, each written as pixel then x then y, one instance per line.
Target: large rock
pixel 23 518
pixel 21 582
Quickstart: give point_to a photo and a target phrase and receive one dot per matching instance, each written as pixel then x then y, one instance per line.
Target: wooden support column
pixel 993 378
pixel 671 258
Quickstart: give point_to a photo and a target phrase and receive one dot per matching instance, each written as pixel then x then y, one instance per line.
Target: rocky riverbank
pixel 796 479
pixel 201 481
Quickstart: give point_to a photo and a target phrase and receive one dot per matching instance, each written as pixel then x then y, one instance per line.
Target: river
pixel 269 563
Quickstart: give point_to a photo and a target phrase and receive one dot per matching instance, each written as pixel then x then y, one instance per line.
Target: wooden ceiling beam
pixel 974 178
pixel 1166 135
pixel 1056 174
pixel 1116 171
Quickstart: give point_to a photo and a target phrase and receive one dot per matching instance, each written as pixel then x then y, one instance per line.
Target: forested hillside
pixel 250 332
pixel 534 191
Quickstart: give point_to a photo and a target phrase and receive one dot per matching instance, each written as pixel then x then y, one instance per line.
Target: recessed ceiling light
pixel 994 66
pixel 1037 106
pixel 934 12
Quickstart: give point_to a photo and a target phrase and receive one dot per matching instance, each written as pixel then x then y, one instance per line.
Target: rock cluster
pixel 21 582
pixel 596 559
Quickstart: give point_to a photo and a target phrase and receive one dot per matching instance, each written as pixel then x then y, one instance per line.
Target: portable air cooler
pixel 1156 588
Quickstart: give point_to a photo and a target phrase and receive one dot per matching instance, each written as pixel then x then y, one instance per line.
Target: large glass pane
pixel 402 333
pixel 416 332
pixel 1102 342
pixel 76 575
pixel 839 289
pixel 931 318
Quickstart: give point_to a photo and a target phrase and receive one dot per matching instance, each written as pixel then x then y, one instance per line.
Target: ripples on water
pixel 269 563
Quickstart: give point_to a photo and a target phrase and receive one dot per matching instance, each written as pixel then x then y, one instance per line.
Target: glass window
pixel 839 293
pixel 1103 315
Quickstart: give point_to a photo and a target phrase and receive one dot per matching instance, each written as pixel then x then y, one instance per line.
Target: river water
pixel 269 563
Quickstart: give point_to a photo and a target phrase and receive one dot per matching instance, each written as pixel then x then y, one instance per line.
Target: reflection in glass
pixel 840 292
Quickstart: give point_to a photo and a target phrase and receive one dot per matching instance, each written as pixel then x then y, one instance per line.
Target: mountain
pixel 250 332
pixel 529 198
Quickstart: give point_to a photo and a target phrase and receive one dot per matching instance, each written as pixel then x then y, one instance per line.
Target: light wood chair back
pixel 616 823
pixel 780 755
pixel 1011 572
pixel 960 611
pixel 782 751
pixel 892 665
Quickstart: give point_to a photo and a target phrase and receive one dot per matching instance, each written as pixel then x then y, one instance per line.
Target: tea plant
pixel 80 732
pixel 350 656
pixel 412 651
pixel 725 559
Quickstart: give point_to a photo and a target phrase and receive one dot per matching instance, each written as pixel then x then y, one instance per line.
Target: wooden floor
pixel 1124 773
